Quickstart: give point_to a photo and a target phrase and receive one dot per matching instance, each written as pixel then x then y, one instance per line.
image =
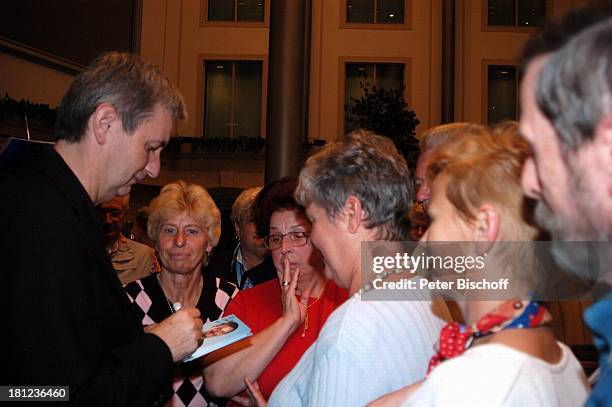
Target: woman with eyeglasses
pixel 285 315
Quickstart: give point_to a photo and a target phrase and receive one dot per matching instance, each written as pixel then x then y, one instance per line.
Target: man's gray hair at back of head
pixel 574 88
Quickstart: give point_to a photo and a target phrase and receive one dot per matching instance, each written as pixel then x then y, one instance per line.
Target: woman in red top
pixel 285 315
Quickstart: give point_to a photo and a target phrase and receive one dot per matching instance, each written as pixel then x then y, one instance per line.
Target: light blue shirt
pixel 599 318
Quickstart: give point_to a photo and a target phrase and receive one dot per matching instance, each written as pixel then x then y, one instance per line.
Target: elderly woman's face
pixel 329 238
pixel 182 244
pixel 293 226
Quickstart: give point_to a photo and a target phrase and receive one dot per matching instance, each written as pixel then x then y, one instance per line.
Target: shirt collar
pixel 238 256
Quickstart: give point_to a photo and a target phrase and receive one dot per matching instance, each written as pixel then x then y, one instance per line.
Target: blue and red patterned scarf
pixel 513 314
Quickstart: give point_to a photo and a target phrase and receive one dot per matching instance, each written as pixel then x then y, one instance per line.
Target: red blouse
pixel 260 306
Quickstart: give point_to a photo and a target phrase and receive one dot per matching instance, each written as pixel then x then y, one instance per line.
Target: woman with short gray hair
pixel 356 190
pixel 368 167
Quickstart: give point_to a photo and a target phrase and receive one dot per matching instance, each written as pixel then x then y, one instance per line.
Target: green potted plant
pixel 385 112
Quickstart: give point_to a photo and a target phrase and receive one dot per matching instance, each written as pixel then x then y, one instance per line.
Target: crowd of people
pixel 119 318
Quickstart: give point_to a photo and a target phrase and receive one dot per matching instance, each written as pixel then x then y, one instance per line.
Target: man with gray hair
pixel 249 264
pixel 67 321
pixel 566 115
pixel 251 249
pixel 131 260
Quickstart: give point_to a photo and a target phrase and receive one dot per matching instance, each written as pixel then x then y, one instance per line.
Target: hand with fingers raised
pixel 294 310
pixel 256 398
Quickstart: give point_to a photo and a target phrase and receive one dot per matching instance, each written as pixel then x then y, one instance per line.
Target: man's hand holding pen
pixel 182 332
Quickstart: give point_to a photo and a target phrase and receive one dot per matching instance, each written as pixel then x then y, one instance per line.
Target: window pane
pixel 501 93
pixel 218 99
pixel 250 10
pixel 360 11
pixel 221 10
pixel 390 11
pixel 356 76
pixel 531 12
pixel 390 76
pixel 247 105
pixel 501 12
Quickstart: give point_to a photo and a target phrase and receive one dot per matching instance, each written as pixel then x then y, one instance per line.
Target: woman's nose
pixel 285 245
pixel 423 193
pixel 179 240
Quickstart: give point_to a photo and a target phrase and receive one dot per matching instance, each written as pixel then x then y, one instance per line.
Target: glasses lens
pixel 295 239
pixel 298 238
pixel 273 242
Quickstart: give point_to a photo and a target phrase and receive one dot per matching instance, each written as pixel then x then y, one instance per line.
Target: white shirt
pixel 365 350
pixel 497 375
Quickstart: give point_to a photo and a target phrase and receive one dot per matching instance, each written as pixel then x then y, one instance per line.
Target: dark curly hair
pixel 275 196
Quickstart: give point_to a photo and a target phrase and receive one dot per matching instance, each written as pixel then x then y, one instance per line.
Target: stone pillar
pixel 448 61
pixel 288 71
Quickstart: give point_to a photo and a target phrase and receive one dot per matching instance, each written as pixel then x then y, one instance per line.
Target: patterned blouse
pixel 152 306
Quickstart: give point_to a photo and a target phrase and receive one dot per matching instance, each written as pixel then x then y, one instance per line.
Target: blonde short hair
pixel 439 135
pixel 178 197
pixel 485 167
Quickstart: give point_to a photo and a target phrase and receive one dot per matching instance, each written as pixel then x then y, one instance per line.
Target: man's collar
pixel 121 245
pixel 238 255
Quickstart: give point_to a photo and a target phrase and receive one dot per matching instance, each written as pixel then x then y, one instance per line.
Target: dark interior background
pixel 75 30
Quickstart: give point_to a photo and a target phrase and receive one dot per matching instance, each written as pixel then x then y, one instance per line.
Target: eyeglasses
pixel 295 239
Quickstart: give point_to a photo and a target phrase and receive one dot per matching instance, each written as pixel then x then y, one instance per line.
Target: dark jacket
pixel 222 265
pixel 67 320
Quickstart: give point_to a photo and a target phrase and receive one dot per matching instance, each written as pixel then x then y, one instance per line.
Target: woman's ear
pixel 487 228
pixel 354 213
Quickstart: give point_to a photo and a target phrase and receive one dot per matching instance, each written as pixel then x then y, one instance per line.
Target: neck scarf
pixel 514 314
